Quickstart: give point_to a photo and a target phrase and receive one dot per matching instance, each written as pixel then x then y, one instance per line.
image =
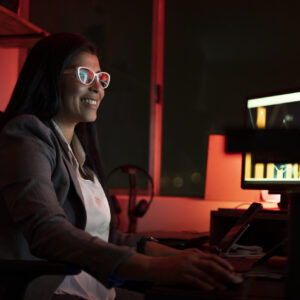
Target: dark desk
pixel 268 228
pixel 253 288
pixel 250 289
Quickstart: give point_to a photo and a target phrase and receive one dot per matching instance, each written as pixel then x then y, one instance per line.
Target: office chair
pixel 19 279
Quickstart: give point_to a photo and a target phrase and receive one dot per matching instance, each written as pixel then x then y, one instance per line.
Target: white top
pixel 98 220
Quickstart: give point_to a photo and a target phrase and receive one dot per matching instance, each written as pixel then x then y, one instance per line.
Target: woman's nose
pixel 96 86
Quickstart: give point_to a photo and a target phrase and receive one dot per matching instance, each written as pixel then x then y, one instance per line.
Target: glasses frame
pixel 96 74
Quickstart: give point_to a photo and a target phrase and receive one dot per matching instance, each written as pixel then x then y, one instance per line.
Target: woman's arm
pixel 41 198
pixel 191 267
pixel 157 249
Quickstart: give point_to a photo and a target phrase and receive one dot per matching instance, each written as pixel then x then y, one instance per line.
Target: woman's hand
pixel 206 255
pixel 195 268
pixel 189 267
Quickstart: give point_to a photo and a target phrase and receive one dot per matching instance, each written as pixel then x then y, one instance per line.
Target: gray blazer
pixel 42 215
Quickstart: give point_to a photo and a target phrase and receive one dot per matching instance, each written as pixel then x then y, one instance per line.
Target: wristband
pixel 141 244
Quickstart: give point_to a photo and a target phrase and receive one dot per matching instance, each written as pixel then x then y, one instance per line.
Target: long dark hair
pixel 37 89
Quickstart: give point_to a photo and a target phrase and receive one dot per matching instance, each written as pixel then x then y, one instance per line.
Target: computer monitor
pixel 273 111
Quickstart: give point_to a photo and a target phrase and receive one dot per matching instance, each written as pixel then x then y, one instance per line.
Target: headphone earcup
pixel 141 208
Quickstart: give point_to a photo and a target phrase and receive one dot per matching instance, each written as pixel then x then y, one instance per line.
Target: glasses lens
pixel 86 76
pixel 104 79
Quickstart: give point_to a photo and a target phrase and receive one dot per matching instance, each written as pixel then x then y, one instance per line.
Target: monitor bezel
pixel 279 186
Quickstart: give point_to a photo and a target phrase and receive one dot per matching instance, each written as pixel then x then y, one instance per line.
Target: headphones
pixel 134 210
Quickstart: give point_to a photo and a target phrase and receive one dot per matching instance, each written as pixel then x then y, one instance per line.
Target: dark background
pixel 217 53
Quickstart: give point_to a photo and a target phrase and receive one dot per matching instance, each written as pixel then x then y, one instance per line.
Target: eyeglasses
pixel 87 76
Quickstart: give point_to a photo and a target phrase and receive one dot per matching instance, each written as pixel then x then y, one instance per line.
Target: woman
pixel 53 203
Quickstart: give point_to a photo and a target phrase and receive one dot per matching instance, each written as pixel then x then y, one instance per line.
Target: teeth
pixel 89 101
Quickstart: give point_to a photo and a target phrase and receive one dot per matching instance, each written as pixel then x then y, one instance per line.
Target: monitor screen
pixel 271 112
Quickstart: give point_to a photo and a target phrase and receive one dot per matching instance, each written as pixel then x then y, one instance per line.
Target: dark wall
pixel 217 53
pixel 122 31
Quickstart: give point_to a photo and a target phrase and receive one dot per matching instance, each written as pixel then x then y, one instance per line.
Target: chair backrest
pixel 32 280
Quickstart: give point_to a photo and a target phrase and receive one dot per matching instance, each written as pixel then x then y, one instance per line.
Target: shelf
pixel 17 32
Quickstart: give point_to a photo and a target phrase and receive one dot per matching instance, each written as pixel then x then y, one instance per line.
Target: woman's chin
pixel 90 118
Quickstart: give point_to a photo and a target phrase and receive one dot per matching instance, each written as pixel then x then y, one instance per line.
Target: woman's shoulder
pixel 23 119
pixel 28 125
pixel 26 122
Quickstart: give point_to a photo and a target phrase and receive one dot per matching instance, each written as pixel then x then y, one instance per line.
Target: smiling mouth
pixel 89 101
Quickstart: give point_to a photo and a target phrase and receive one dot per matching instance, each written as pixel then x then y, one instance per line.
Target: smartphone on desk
pixel 237 230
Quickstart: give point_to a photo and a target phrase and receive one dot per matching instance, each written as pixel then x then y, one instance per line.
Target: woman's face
pixel 79 101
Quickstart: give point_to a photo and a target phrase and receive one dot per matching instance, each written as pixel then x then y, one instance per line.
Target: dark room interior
pixel 183 74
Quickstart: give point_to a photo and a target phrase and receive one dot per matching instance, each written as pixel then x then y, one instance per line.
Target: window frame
pixel 156 93
pixel 156 108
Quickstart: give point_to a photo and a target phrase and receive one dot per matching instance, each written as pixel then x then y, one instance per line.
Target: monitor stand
pixel 284 201
pixel 293 287
pixel 290 200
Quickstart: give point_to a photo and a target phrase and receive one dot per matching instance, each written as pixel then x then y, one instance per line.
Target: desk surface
pixel 265 214
pixel 250 289
pixel 259 284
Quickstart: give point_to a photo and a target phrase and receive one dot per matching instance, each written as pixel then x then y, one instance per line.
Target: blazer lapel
pixel 68 160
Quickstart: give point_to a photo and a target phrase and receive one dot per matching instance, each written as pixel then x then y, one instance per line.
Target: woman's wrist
pixel 141 246
pixel 160 250
pixel 136 266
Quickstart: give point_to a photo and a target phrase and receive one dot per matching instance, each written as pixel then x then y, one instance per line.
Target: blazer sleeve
pixel 28 158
